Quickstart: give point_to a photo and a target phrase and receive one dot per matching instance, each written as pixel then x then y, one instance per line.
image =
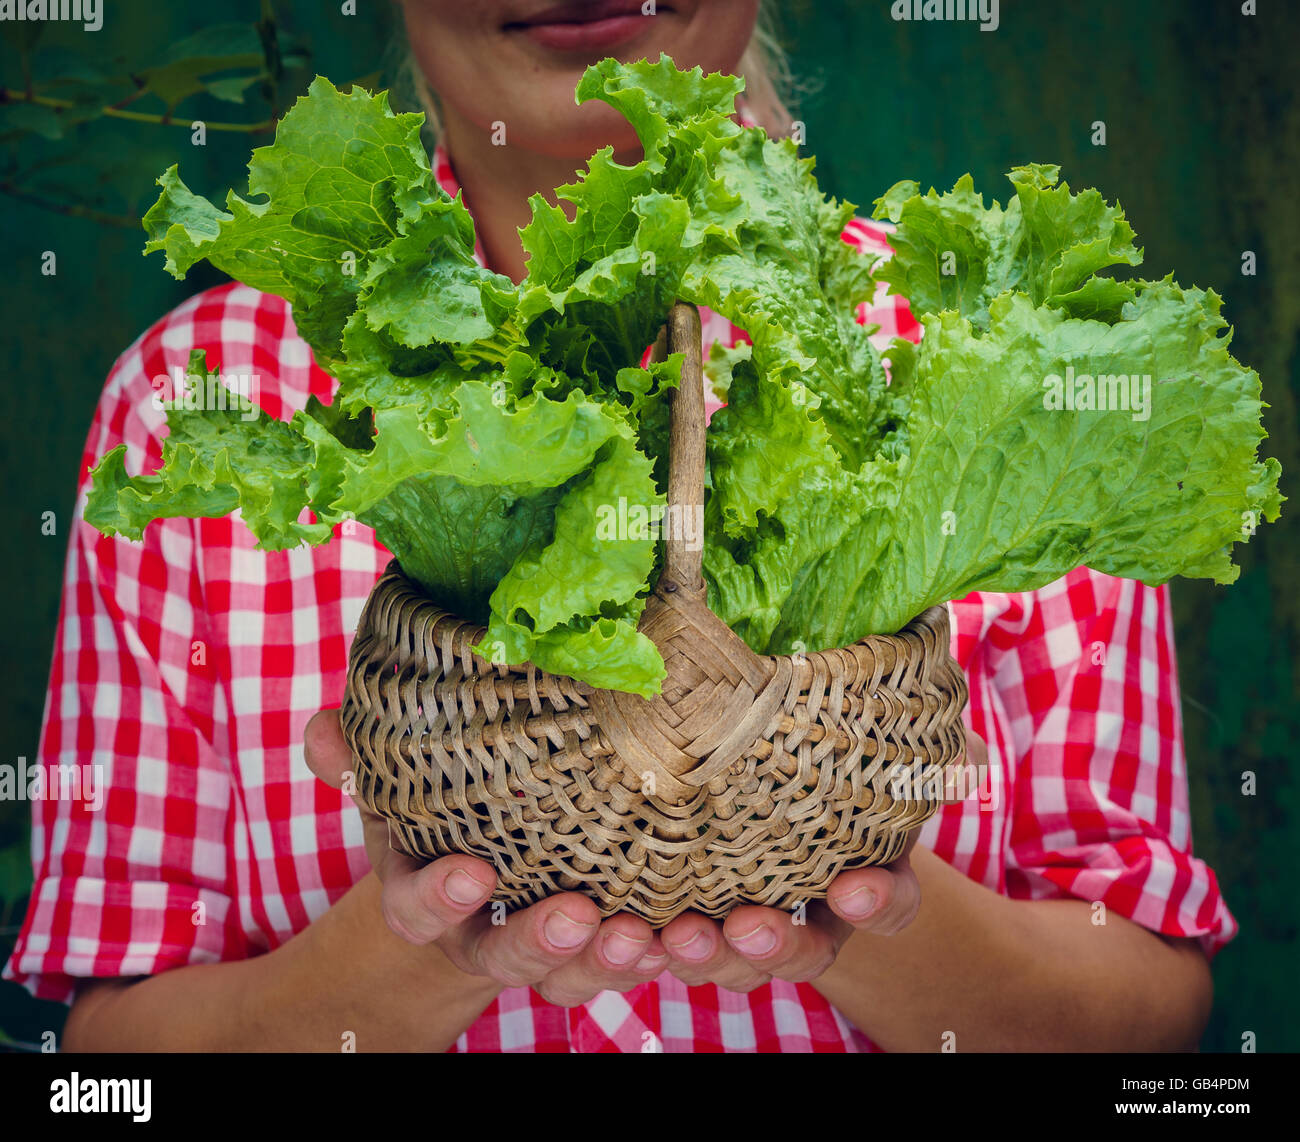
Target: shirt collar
pixel 446 178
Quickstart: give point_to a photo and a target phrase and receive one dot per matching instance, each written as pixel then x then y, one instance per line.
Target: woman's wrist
pixel 978 971
pixel 343 982
pixel 392 995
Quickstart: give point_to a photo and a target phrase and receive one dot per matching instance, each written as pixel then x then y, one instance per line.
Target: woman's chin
pixel 562 130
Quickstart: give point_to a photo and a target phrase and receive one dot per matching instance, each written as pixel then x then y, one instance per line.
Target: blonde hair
pixel 769 83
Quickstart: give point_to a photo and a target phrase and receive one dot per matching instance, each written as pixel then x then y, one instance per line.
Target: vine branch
pixel 71 210
pixel 9 95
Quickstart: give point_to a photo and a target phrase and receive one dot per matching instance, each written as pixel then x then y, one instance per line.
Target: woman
pixel 223 899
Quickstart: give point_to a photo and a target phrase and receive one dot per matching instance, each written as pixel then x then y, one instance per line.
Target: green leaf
pixel 186 64
pixel 506 442
pixel 765 243
pixel 231 89
pixel 343 172
pixel 216 459
pixel 953 253
pixel 781 499
pixel 595 558
pixel 607 652
pixel 460 540
pixel 665 106
pixel 594 566
pixel 1003 492
pixel 33 117
pixel 425 286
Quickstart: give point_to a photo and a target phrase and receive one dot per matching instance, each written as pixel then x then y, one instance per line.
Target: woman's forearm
pixel 1014 975
pixel 346 972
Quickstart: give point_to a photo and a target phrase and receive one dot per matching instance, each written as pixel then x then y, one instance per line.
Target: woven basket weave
pixel 749 778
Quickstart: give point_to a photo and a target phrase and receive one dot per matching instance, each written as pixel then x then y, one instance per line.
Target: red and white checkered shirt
pixel 188 664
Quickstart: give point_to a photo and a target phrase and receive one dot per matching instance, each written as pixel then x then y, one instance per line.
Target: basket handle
pixel 684 545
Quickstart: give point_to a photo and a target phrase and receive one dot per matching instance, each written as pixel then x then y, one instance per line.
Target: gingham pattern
pixel 188 665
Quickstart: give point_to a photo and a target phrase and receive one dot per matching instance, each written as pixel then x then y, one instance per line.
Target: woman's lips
pixel 570 29
pixel 599 35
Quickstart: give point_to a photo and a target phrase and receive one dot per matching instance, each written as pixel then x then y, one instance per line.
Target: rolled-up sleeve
pixel 131 868
pixel 1101 813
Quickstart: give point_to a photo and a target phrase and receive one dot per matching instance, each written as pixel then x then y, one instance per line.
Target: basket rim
pixel 473 632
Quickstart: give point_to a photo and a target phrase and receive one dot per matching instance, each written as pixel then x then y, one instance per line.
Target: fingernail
pixel 566 933
pixel 698 947
pixel 464 889
pixel 621 949
pixel 859 904
pixel 653 963
pixel 756 943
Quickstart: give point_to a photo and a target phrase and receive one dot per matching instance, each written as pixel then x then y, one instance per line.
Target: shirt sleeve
pixel 131 876
pixel 1087 674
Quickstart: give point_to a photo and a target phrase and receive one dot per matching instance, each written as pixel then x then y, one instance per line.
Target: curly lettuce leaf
pixel 951 253
pixel 1004 490
pixel 343 172
pixel 487 429
pixel 597 564
pixel 990 479
pixel 778 268
pixel 425 287
pixel 781 500
pixel 216 460
pixel 766 243
pixel 459 540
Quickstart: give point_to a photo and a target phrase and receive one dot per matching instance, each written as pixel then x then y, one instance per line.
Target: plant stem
pixel 8 95
pixel 72 210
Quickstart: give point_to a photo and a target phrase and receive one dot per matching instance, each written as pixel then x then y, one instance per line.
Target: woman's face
pixel 517 61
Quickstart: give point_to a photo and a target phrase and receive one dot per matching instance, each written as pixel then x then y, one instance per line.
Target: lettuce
pixel 487 429
pixel 1003 484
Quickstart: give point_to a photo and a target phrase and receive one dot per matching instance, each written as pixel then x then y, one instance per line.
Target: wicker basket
pixel 749 778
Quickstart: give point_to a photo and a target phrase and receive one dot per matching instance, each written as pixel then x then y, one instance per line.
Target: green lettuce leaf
pixel 1003 490
pixel 951 253
pixel 597 564
pixel 216 460
pixel 508 442
pixel 342 173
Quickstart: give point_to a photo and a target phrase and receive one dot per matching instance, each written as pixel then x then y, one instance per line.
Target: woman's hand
pixel 559 947
pixel 755 944
pixel 562 949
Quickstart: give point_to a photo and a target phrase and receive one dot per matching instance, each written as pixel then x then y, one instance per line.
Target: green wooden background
pixel 1203 138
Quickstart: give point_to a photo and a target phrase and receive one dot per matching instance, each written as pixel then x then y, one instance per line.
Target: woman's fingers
pixel 560 945
pixel 969 777
pixel 625 952
pixel 421 902
pixel 531 943
pixel 699 953
pixel 327 752
pixel 755 944
pixel 329 757
pixel 977 750
pixel 877 900
pixel 771 942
